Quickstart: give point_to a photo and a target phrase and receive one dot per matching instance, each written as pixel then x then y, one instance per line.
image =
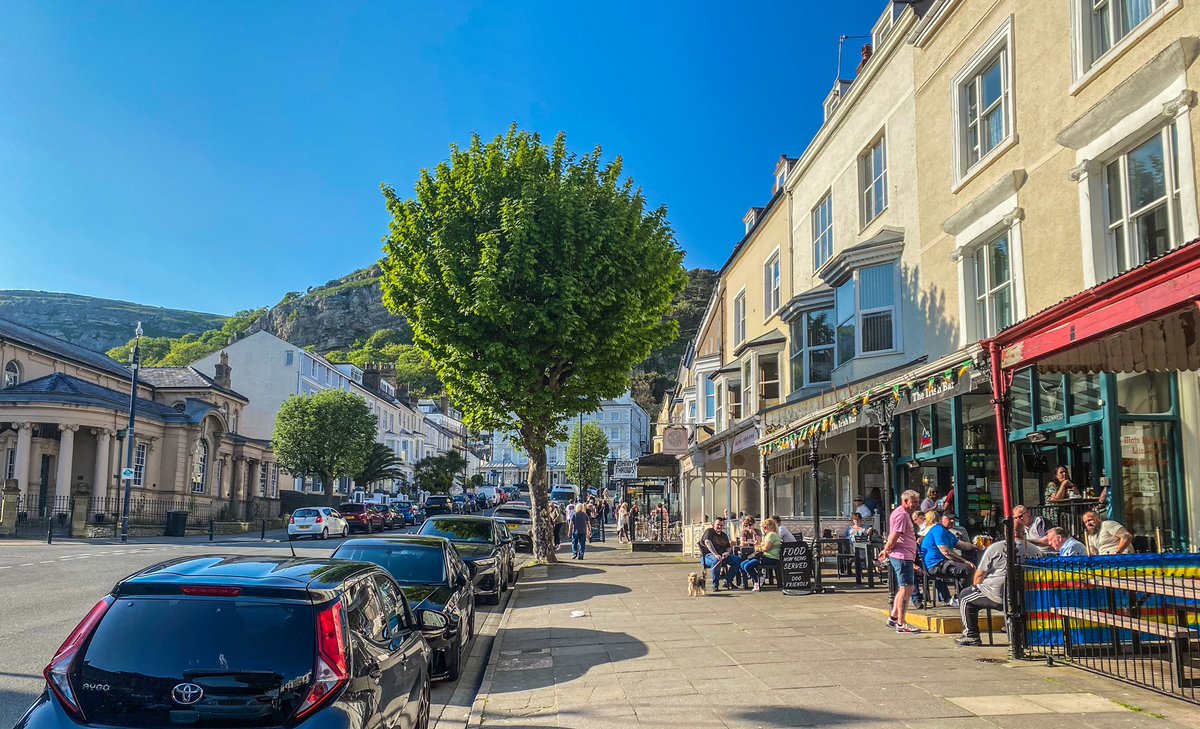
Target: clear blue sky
pixel 215 155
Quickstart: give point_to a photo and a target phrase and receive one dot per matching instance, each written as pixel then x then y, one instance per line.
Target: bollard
pixel 263 537
pixel 211 528
pixel 50 530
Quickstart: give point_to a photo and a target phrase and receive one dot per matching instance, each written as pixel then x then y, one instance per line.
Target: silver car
pixel 519 522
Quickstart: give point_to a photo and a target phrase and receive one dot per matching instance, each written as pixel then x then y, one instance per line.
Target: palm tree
pixel 382 465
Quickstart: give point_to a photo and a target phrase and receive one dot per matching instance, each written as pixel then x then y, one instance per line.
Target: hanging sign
pixel 625 469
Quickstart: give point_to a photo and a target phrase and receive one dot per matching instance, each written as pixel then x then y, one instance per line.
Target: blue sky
pixel 216 155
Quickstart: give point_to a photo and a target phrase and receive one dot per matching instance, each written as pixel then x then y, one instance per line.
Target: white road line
pixel 27 564
pixel 46 561
pixel 6 567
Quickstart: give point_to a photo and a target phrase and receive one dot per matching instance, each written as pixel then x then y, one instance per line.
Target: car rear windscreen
pixel 512 513
pixel 407 563
pixel 253 661
pixel 459 530
pixel 437 499
pixel 306 512
pixel 351 508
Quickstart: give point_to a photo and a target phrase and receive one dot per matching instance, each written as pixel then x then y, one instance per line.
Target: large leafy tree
pixel 534 279
pixel 587 471
pixel 329 434
pixel 381 465
pixel 435 474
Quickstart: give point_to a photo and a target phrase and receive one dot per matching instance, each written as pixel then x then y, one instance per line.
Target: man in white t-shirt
pixel 784 533
pixel 862 509
pixel 1106 536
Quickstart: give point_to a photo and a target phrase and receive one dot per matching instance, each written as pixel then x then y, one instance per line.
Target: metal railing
pixel 656 531
pixel 1065 514
pixel 1130 617
pixel 151 512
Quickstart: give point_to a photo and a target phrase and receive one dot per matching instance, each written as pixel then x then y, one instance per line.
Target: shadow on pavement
pixel 572 592
pixel 562 570
pixel 534 658
pixel 793 717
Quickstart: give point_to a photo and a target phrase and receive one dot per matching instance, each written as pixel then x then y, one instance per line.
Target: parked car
pixel 476 503
pixel 518 522
pixel 391 518
pixel 435 505
pixel 460 503
pixel 239 641
pixel 361 518
pixel 432 577
pixel 411 513
pixel 317 522
pixel 482 543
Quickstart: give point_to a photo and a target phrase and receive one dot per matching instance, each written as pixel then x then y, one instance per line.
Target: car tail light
pixel 58 673
pixel 319 519
pixel 291 520
pixel 202 591
pixel 331 672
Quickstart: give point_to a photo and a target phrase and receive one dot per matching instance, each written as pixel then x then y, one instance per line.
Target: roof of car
pixel 459 517
pixel 244 570
pixel 419 539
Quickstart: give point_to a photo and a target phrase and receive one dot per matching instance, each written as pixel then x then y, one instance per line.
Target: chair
pixel 928 596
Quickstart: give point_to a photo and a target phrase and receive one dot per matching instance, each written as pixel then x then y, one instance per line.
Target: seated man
pixel 719 555
pixel 1106 536
pixel 1035 529
pixel 784 532
pixel 1065 544
pixel 942 562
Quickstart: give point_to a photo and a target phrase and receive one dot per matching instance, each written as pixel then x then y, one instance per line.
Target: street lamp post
pixel 129 430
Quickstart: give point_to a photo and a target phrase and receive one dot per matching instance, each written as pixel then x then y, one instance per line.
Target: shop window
pixel 1147 477
pixel 1051 407
pixel 870 473
pixel 979 423
pixel 784 496
pixel 1141 198
pixel 1020 402
pixel 923 427
pixel 1085 394
pixel 827 490
pixel 1144 393
pixel 904 435
pixel 943 413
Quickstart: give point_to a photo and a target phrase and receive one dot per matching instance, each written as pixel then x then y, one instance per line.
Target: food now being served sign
pixel 796 566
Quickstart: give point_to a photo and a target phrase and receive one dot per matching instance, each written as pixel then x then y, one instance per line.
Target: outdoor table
pixel 869 554
pixel 1172 588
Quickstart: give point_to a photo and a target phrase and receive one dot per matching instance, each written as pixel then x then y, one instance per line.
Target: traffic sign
pixel 127 474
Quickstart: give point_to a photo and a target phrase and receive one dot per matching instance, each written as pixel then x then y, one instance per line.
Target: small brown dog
pixel 695 584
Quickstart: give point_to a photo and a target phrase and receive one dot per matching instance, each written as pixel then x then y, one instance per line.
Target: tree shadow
pixel 532 658
pixel 559 571
pixel 568 592
pixel 796 717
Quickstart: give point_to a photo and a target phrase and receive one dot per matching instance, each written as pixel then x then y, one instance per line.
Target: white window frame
pixel 803 350
pixel 772 285
pixel 739 317
pixel 1168 134
pixel 763 383
pixel 12 374
pixel 822 230
pixel 1086 63
pixel 711 402
pixel 719 417
pixel 274 480
pixel 747 395
pixel 139 464
pixel 1001 218
pixel 869 177
pixel 10 464
pixel 860 313
pixel 988 327
pixel 199 487
pixel 264 478
pixel 1001 42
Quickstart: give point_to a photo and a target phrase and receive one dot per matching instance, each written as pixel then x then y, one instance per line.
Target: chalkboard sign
pixel 796 565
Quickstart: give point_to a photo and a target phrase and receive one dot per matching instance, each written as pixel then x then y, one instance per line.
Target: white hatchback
pixel 318 522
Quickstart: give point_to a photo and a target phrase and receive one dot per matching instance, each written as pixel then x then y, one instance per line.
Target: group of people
pixel 578 519
pixel 628 515
pixel 741 560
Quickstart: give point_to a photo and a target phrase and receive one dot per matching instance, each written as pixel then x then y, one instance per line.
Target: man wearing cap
pixel 862 509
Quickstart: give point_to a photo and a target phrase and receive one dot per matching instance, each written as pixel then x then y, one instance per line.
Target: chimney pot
pixel 222 372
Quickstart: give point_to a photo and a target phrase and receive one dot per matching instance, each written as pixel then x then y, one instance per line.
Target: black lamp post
pixel 814 460
pixel 129 431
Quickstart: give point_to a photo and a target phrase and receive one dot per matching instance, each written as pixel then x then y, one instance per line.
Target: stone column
pixel 66 456
pixel 8 507
pixel 237 488
pixel 21 462
pixel 102 474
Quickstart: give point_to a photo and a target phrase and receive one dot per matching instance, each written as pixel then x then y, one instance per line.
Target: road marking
pixel 46 561
pixel 6 567
pixel 27 564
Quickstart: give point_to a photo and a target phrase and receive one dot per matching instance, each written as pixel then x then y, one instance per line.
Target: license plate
pixel 514 527
pixel 304 526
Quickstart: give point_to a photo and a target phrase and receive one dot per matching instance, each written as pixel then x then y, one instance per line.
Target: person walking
pixel 623 523
pixel 901 551
pixel 557 520
pixel 580 525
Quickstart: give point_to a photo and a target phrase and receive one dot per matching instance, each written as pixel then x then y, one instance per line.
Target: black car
pixel 482 542
pixel 231 642
pixel 438 505
pixel 433 577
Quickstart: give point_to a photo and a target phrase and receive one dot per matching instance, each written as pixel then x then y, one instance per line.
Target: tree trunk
pixel 543 526
pixel 328 481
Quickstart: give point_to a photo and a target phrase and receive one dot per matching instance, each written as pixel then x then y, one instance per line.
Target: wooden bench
pixel 1179 637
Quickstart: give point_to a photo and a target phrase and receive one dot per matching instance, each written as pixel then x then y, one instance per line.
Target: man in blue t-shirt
pixel 941 560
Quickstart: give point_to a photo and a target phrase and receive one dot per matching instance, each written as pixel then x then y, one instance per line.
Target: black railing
pixel 1065 514
pixel 152 512
pixel 32 506
pixel 1131 617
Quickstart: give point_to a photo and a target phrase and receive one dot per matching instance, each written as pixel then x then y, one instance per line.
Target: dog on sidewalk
pixel 695 584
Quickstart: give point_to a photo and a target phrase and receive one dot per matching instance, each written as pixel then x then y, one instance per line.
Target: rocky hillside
pixel 99 324
pixel 334 316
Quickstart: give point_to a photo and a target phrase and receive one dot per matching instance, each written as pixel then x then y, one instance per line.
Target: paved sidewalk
pixel 614 641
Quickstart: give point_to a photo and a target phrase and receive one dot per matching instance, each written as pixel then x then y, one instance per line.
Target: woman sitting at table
pixel 856 532
pixel 1062 488
pixel 750 537
pixel 767 556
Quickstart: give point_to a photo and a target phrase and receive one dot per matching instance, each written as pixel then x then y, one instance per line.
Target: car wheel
pixel 492 599
pixel 325 533
pixel 423 708
pixel 454 661
pixel 345 532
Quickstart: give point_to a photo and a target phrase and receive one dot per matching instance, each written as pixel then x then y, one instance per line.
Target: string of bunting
pixel 815 429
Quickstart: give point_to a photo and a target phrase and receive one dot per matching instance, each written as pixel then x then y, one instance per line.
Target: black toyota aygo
pixel 223 641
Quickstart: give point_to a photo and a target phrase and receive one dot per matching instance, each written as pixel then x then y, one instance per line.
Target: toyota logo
pixel 187 693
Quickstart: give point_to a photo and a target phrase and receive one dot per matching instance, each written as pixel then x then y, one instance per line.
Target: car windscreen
pixel 351 508
pixel 411 564
pixel 459 530
pixel 252 659
pixel 437 500
pixel 305 513
pixel 511 513
pixel 403 504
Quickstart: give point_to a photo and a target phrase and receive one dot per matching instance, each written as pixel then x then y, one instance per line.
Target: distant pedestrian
pixel 580 525
pixel 623 523
pixel 901 551
pixel 557 519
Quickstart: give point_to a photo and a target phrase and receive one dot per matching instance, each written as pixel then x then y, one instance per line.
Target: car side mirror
pixel 431 621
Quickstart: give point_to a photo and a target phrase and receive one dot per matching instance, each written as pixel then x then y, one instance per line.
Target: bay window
pixel 877 308
pixel 844 305
pixel 710 398
pixel 747 400
pixel 768 380
pixel 812 350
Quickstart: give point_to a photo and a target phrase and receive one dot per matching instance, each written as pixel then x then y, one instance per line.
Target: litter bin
pixel 176 523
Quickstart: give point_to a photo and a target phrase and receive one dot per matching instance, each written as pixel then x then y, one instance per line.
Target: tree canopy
pixel 182 351
pixel 534 279
pixel 395 347
pixel 381 466
pixel 329 434
pixel 435 474
pixel 595 455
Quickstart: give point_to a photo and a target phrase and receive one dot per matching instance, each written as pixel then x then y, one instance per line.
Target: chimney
pixel 866 56
pixel 221 373
pixel 371 376
pixel 444 404
pixel 402 391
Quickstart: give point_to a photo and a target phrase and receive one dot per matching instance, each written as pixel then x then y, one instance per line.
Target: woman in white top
pixel 622 523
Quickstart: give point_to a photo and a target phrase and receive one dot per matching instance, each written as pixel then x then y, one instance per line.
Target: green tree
pixel 535 280
pixel 381 465
pixel 182 351
pixel 435 474
pixel 329 434
pixel 387 345
pixel 595 455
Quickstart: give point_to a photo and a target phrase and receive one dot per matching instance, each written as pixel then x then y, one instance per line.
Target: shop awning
pixel 1144 320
